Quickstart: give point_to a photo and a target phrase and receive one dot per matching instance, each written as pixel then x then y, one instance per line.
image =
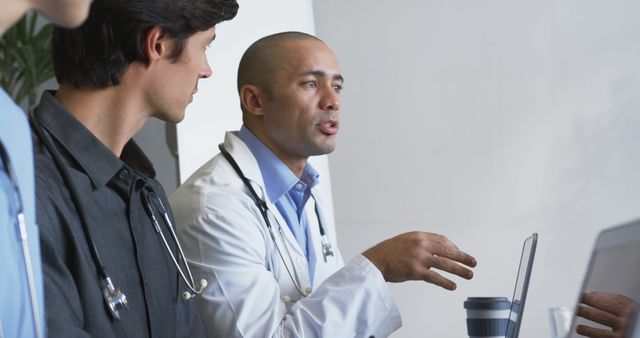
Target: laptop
pixel 613 281
pixel 522 286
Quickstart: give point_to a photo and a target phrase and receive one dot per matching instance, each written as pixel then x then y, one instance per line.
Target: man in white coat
pixel 253 226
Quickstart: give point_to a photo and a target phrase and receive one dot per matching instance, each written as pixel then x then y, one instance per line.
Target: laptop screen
pixel 522 285
pixel 610 292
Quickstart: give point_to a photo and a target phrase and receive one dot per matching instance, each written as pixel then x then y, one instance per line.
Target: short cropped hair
pixel 263 58
pixel 98 53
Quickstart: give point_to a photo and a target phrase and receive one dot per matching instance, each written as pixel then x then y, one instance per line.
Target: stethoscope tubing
pixel 75 195
pixel 165 216
pixel 110 293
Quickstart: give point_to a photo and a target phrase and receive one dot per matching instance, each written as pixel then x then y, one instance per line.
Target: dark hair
pixel 97 53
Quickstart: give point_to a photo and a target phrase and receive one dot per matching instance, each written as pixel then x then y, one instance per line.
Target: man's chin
pixel 324 149
pixel 178 119
pixel 172 118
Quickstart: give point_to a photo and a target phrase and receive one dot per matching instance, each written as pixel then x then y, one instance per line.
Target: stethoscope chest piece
pixel 326 248
pixel 115 299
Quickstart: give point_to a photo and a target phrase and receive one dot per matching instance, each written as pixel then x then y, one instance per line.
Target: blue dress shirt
pixel 288 192
pixel 16 319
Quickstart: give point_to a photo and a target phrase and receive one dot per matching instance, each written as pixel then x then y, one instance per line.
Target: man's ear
pixel 252 98
pixel 157 44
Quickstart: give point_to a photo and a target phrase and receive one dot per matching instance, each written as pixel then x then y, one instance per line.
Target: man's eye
pixel 337 88
pixel 311 84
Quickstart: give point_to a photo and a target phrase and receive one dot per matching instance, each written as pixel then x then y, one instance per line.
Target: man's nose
pixel 330 99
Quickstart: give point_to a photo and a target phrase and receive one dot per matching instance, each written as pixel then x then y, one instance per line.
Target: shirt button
pixel 286 299
pixel 124 173
pixel 308 290
pixel 299 186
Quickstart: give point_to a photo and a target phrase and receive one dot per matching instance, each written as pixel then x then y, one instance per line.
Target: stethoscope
pixel 264 209
pixel 114 298
pixel 152 199
pixel 22 229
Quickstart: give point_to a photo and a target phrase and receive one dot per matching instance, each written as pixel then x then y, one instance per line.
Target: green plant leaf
pixel 25 58
pixel 32 19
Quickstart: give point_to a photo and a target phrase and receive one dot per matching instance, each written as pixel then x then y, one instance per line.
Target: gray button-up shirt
pixel 112 190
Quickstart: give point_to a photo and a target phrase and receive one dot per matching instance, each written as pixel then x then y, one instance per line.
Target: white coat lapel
pixel 251 170
pixel 298 258
pixel 247 163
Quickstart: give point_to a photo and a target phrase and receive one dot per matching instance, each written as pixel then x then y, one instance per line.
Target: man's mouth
pixel 329 127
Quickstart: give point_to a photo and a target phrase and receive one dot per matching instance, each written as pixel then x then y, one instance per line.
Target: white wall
pixel 216 107
pixel 486 121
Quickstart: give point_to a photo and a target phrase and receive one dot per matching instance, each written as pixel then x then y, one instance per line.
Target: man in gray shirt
pixel 106 229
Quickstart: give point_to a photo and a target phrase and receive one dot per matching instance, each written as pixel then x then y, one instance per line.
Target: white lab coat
pixel 250 293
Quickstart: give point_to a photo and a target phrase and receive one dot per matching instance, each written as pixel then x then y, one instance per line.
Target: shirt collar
pixel 97 161
pixel 278 178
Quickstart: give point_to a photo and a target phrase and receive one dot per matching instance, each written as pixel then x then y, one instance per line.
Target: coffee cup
pixel 487 317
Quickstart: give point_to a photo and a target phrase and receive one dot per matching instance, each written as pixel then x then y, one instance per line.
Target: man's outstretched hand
pixel 416 256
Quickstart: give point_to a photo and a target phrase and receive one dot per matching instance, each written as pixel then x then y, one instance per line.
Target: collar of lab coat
pixel 247 163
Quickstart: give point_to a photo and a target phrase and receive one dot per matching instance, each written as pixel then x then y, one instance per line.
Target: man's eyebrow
pixel 320 73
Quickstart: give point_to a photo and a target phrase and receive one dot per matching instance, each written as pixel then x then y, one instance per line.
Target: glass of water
pixel 560 320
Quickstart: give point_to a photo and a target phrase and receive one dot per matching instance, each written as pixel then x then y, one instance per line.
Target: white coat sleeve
pixel 227 244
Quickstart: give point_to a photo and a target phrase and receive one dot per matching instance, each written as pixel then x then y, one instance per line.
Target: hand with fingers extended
pixel 616 312
pixel 415 256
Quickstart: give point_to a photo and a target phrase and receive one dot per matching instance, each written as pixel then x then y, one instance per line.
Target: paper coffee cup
pixel 487 317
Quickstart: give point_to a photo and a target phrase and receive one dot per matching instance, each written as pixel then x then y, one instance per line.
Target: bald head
pixel 261 61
